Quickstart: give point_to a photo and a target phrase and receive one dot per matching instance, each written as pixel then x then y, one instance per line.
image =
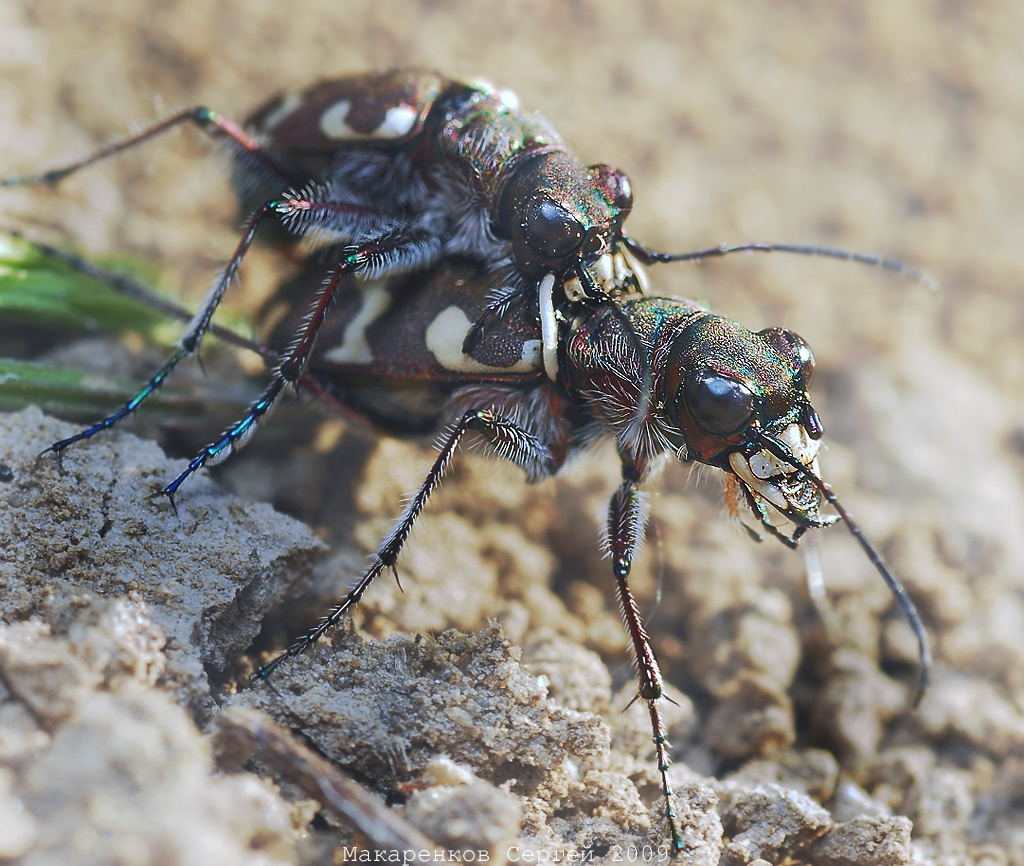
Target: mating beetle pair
pixel 465 269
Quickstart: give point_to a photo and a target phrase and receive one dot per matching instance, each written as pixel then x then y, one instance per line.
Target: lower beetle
pixel 470 274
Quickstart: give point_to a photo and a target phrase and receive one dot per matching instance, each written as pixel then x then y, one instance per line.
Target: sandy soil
pixel 889 128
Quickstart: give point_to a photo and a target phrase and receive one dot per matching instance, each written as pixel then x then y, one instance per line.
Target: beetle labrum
pixel 463 253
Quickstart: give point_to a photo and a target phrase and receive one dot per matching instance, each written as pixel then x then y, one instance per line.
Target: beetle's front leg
pixel 511 440
pixel 627 518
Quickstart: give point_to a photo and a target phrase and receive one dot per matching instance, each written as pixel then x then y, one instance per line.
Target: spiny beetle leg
pixel 58 448
pixel 369 255
pixel 520 446
pixel 130 288
pixel 243 147
pixel 190 340
pixel 626 520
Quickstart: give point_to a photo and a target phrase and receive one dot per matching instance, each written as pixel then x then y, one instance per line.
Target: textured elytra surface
pixel 886 128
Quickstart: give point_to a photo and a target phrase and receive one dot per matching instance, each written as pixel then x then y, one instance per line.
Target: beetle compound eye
pixel 615 187
pixel 803 356
pixel 794 347
pixel 551 231
pixel 718 404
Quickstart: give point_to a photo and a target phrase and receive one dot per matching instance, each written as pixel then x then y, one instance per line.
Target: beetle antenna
pixel 649 256
pixel 905 603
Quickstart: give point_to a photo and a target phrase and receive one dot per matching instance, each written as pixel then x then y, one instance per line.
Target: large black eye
pixel 718 404
pixel 550 230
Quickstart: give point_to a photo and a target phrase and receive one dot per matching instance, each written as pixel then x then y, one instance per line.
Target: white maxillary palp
pixel 763 488
pixel 764 464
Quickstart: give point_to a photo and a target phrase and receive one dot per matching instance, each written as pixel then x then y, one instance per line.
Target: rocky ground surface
pixel 483 702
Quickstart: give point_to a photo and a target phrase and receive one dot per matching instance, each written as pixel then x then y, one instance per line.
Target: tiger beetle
pixel 463 271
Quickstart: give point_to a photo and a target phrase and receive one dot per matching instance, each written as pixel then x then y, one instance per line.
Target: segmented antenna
pixel 650 257
pixel 905 603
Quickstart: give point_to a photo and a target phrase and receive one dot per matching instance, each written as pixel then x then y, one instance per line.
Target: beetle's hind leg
pixel 187 345
pixel 370 256
pixel 508 438
pixel 243 147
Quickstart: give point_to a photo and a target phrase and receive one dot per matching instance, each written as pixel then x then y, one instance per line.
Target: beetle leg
pixel 626 520
pixel 189 341
pixel 325 216
pixel 130 288
pixel 514 442
pixel 398 247
pixel 293 362
pixel 242 146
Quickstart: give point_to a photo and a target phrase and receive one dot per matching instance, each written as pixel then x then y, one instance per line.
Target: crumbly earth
pixel 484 700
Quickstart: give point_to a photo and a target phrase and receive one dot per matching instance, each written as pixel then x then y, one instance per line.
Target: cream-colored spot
pixel 446 335
pixel 574 290
pixel 509 99
pixel 766 489
pixel 332 121
pixel 531 357
pixel 354 347
pixel 398 121
pixel 286 106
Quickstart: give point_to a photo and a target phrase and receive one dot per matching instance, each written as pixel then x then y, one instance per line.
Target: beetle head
pixel 561 216
pixel 726 389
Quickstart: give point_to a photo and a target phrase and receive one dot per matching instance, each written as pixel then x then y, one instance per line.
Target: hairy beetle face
pixel 726 389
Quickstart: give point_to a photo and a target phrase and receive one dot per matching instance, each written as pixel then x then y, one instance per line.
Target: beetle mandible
pixel 473 260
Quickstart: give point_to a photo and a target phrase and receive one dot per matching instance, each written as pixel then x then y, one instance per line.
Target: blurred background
pixel 889 128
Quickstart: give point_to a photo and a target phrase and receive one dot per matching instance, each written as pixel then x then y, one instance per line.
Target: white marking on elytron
pixel 354 347
pixel 548 327
pixel 398 121
pixel 509 99
pixel 446 335
pixel 288 104
pixel 332 121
